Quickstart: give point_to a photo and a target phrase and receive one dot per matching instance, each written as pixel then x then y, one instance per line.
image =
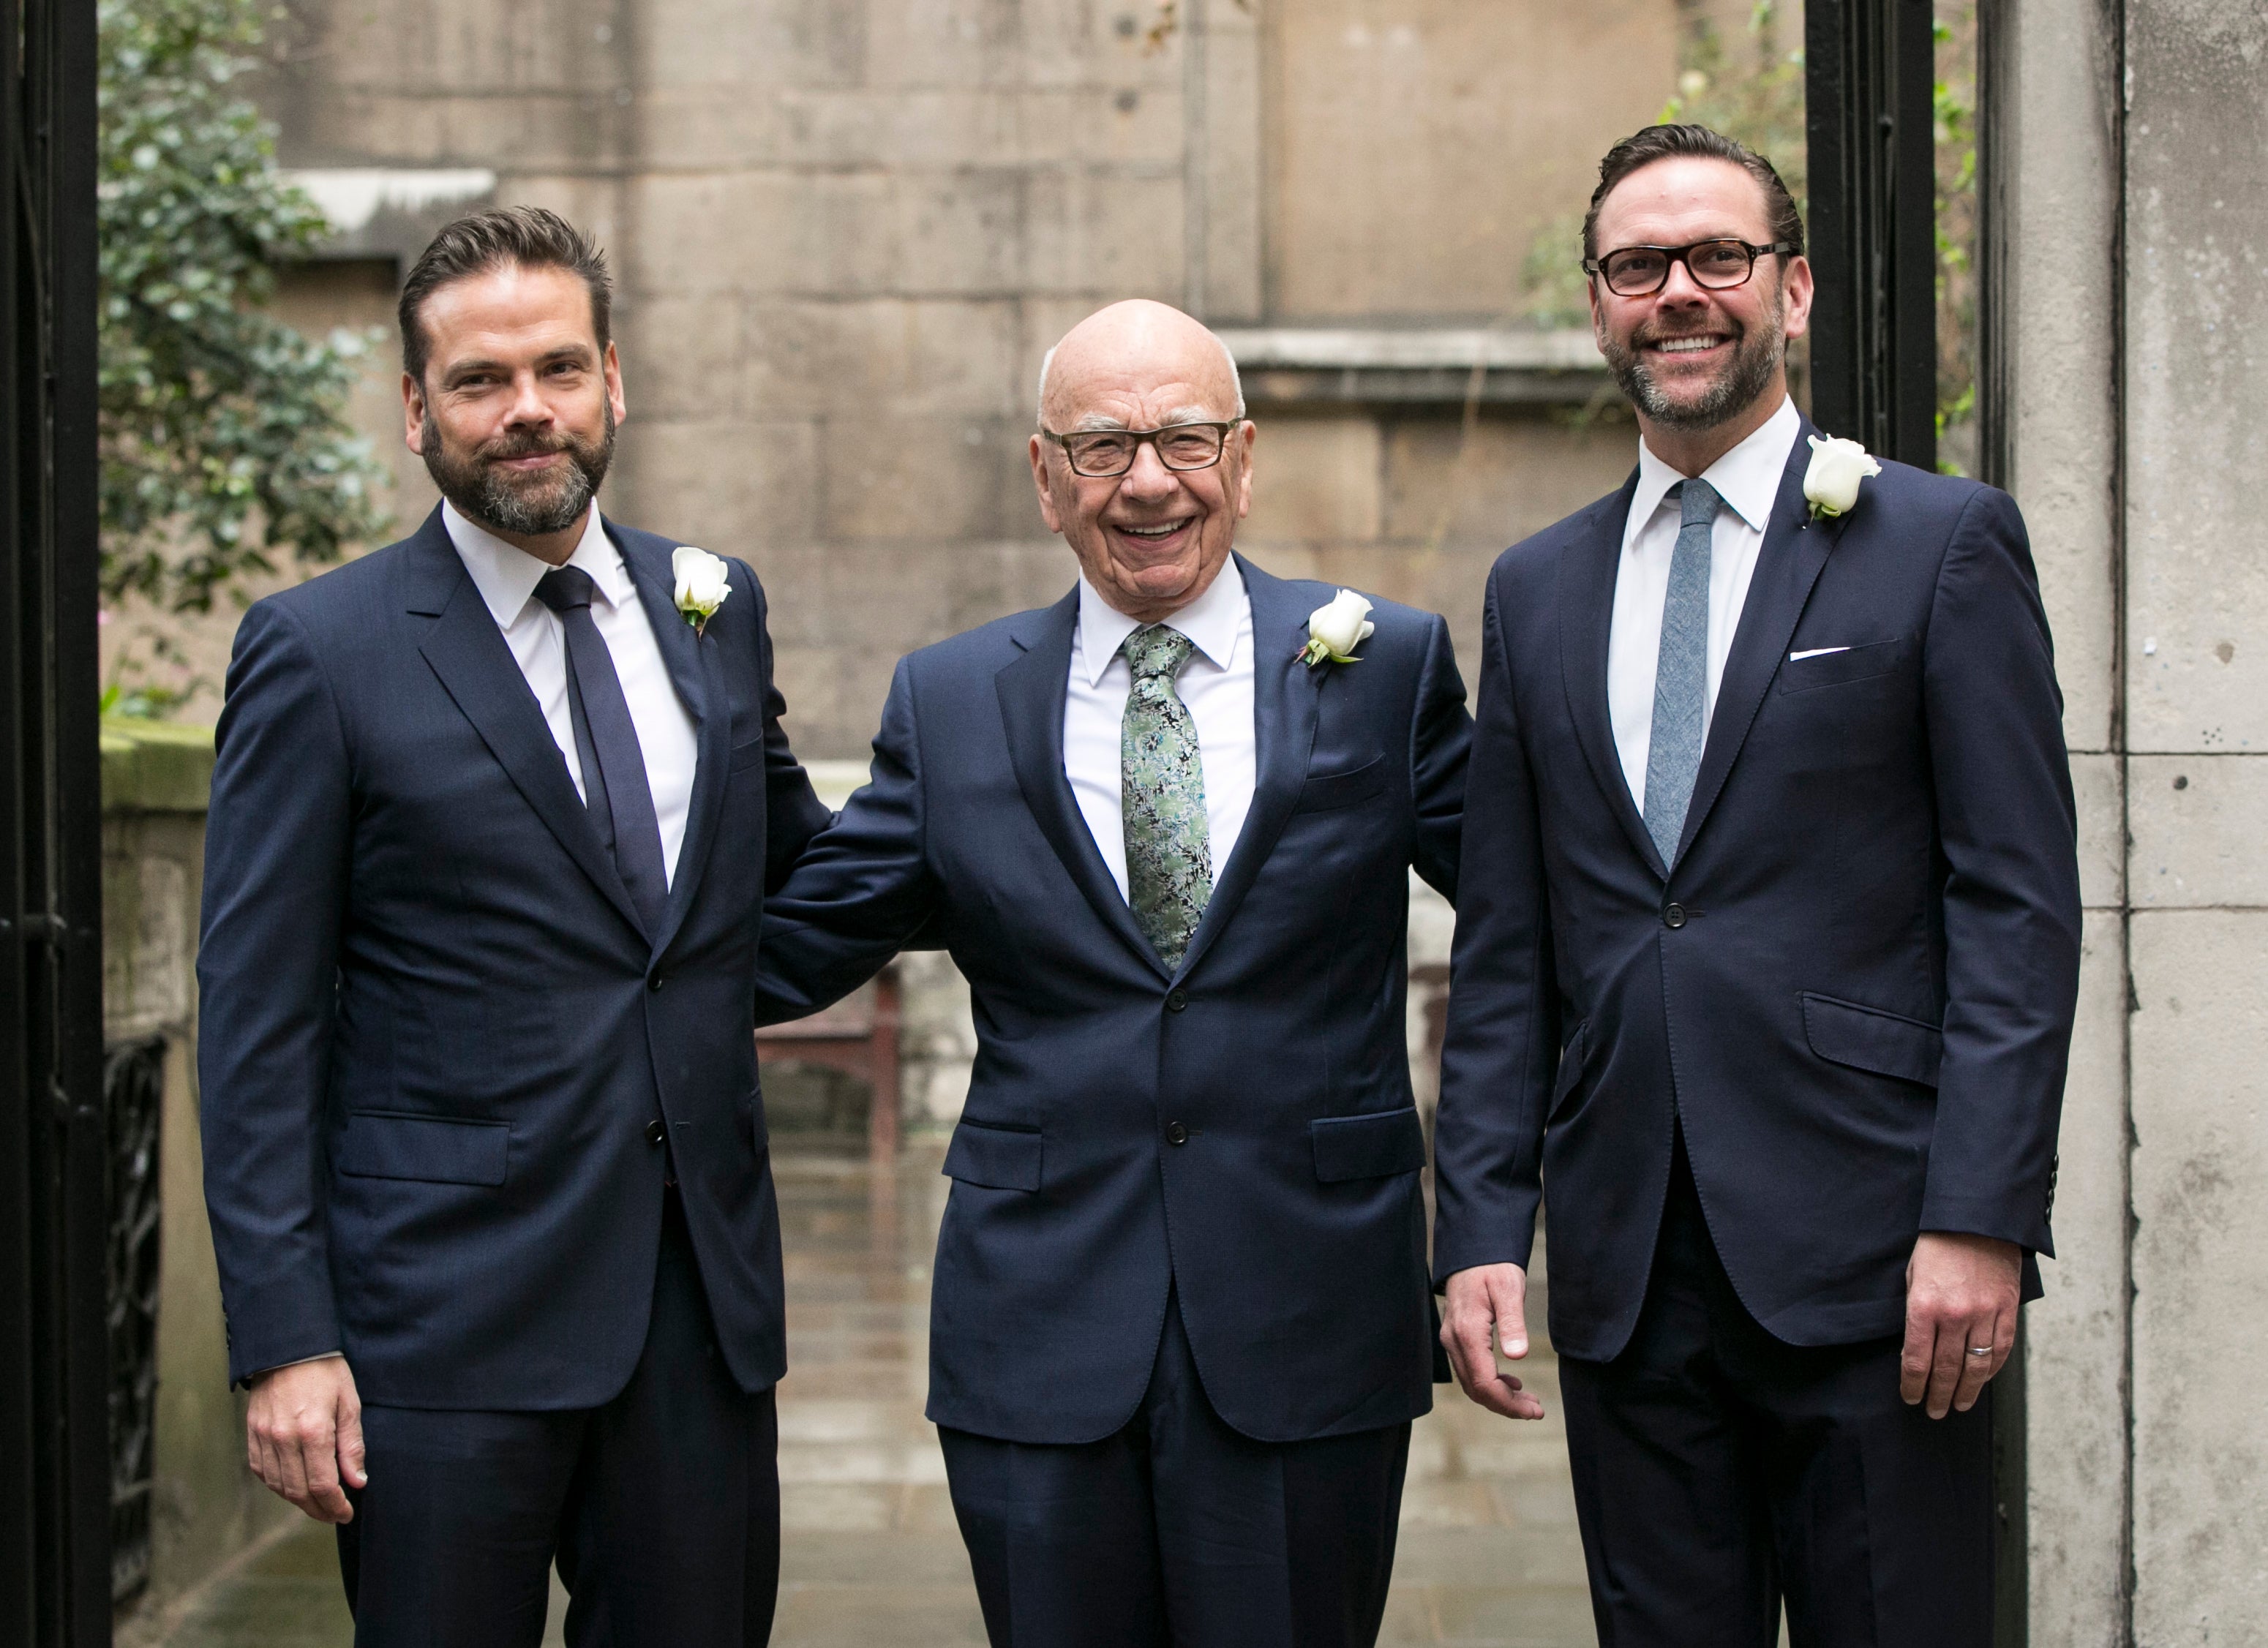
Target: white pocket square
pixel 1817 651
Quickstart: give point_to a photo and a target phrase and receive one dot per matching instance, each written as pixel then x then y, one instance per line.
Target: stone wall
pixel 2132 192
pixel 205 1505
pixel 845 233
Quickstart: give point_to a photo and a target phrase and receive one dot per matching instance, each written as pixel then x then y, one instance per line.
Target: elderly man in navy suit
pixel 493 818
pixel 1165 827
pixel 1766 968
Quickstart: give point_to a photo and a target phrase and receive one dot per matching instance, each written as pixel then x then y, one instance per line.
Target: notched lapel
pixel 1589 567
pixel 1788 564
pixel 467 652
pixel 1032 692
pixel 695 672
pixel 1285 702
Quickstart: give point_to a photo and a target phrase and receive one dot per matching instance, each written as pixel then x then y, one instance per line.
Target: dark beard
pixel 532 508
pixel 1757 356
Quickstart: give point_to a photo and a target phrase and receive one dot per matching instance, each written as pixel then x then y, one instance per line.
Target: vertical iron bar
pixel 1870 129
pixel 55 1559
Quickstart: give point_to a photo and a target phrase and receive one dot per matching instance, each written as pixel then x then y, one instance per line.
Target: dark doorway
pixel 54 1387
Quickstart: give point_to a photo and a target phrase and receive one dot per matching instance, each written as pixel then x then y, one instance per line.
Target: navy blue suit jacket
pixel 1855 984
pixel 1240 1130
pixel 433 1035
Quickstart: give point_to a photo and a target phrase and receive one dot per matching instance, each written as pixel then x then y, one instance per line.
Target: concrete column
pixel 2196 264
pixel 2052 173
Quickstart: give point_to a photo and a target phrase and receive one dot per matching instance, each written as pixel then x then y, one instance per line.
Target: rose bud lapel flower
pixel 704 583
pixel 1335 630
pixel 1837 466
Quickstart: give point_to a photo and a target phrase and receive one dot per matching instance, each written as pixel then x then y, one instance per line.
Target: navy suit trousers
pixel 1178 1529
pixel 1720 1471
pixel 661 1507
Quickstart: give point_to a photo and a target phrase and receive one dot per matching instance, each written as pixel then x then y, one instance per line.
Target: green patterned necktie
pixel 1161 787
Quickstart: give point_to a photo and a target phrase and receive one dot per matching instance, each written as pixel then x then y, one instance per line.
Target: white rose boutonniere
pixel 704 585
pixel 1335 631
pixel 1837 467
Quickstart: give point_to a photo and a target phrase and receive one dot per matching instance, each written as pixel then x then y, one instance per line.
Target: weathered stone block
pixel 2097 786
pixel 926 479
pixel 1314 478
pixel 1113 231
pixel 727 486
pixel 888 358
pixel 2200 1275
pixel 2075 1337
pixel 2196 822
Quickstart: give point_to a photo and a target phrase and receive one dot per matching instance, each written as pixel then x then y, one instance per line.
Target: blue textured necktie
pixel 615 783
pixel 1681 678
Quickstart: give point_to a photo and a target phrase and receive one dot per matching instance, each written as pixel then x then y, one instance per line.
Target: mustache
pixel 528 444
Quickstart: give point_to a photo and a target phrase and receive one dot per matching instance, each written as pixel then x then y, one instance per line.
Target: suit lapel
pixel 693 670
pixel 1788 564
pixel 1032 692
pixel 1284 702
pixel 1588 570
pixel 467 652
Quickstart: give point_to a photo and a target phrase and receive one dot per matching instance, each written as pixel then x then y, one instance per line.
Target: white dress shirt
pixel 1747 479
pixel 1216 684
pixel 506 578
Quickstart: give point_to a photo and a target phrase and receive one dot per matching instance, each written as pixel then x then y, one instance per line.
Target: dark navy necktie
pixel 615 783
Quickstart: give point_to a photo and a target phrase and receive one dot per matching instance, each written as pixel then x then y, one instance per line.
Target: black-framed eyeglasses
pixel 1102 455
pixel 1638 271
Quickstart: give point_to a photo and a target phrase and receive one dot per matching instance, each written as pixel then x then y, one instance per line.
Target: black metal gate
pixel 55 1579
pixel 1870 118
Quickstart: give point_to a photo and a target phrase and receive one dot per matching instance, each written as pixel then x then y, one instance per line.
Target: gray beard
pixel 1757 356
pixel 484 495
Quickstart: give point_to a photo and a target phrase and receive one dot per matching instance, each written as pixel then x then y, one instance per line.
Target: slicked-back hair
pixel 502 236
pixel 1669 143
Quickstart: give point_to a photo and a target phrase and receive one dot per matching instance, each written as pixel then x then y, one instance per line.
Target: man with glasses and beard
pixel 493 818
pixel 1766 959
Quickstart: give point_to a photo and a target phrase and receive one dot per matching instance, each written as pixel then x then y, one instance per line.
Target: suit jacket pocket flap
pixel 1868 1038
pixel 1325 791
pixel 439 1150
pixel 1001 1158
pixel 746 755
pixel 1368 1146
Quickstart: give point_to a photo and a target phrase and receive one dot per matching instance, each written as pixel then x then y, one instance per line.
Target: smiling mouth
pixel 1694 343
pixel 1155 533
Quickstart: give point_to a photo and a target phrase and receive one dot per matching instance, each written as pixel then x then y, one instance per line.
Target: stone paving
pixel 1489 1554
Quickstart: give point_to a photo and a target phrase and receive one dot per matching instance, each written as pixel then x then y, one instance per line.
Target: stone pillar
pixel 2196 681
pixel 2052 173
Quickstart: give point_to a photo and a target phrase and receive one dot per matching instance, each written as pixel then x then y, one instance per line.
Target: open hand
pixel 304 1434
pixel 1488 1306
pixel 1960 1295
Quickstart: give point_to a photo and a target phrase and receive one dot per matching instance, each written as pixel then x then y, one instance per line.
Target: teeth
pixel 1166 530
pixel 1687 345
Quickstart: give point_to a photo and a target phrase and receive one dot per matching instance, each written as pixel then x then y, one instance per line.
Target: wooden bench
pixel 858 1035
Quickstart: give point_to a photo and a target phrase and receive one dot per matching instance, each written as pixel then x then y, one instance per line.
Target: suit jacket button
pixel 655 1132
pixel 654 984
pixel 1176 999
pixel 1176 1134
pixel 1674 916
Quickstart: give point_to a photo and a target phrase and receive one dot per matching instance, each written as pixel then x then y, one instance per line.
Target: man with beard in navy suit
pixel 492 823
pixel 1766 968
pixel 1181 1321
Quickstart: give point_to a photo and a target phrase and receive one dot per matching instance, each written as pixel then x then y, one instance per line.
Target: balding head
pixel 1137 329
pixel 1151 540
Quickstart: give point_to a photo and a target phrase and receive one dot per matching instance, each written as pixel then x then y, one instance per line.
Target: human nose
pixel 1680 287
pixel 528 405
pixel 1148 478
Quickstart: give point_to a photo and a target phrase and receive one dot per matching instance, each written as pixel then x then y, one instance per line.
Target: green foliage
pixel 1954 114
pixel 223 433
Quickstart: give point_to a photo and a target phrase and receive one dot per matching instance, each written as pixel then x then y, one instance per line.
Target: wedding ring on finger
pixel 1980 1349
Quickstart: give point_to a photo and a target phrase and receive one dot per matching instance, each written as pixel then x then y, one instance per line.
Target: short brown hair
pixel 1668 143
pixel 502 236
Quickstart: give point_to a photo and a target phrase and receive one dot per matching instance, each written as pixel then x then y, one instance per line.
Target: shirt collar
pixel 1213 622
pixel 1747 478
pixel 507 575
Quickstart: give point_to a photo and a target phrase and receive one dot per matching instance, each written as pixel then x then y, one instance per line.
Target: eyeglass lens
pixel 1634 272
pixel 1101 453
